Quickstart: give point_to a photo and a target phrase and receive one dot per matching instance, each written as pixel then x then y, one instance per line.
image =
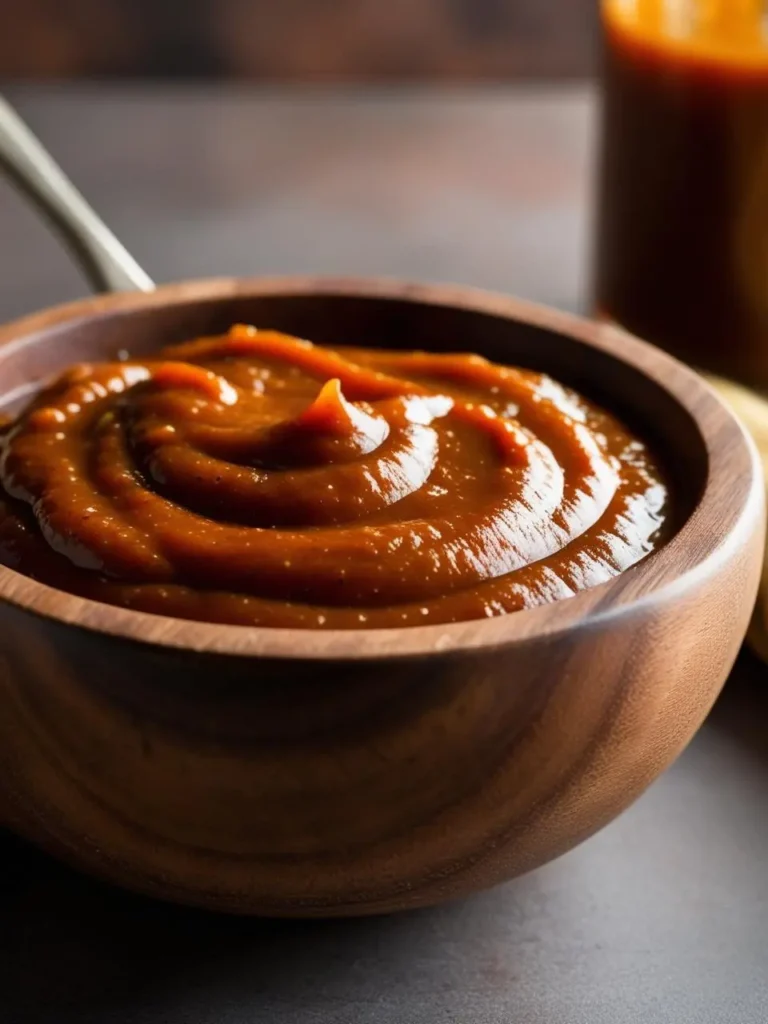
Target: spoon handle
pixel 108 266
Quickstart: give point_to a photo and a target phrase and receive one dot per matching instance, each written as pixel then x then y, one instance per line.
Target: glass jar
pixel 682 232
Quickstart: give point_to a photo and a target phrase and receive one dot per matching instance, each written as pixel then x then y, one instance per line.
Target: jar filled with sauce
pixel 682 238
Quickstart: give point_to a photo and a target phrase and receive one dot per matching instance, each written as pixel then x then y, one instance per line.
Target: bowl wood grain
pixel 304 773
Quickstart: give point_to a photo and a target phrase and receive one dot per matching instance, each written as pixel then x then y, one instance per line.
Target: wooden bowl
pixel 291 772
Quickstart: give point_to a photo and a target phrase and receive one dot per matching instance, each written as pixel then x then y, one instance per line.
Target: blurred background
pixel 303 40
pixel 432 139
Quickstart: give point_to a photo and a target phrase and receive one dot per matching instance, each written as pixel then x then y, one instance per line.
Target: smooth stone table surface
pixel 662 918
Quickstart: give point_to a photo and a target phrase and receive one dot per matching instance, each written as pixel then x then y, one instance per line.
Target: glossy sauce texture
pixel 256 479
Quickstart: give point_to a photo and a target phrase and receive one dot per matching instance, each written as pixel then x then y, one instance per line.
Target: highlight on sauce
pixel 257 479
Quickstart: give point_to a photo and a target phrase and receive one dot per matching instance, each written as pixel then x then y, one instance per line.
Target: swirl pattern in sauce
pixel 257 479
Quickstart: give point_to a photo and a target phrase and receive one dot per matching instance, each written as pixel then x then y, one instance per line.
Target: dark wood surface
pixel 300 40
pixel 662 916
pixel 487 188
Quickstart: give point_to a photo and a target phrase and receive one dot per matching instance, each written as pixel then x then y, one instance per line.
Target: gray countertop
pixel 662 918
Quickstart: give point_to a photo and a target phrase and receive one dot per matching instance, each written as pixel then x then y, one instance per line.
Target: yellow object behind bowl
pixel 752 410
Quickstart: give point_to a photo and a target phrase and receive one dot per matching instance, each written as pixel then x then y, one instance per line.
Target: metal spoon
pixel 108 266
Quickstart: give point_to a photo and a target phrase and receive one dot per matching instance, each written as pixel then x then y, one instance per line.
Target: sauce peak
pixel 256 479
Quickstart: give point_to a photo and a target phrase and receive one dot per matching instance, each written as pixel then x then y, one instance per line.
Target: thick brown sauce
pixel 257 479
pixel 683 200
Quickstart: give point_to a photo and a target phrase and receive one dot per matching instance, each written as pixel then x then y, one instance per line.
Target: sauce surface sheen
pixel 257 479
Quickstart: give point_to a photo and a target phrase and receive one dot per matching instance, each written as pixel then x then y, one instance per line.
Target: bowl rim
pixel 732 494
